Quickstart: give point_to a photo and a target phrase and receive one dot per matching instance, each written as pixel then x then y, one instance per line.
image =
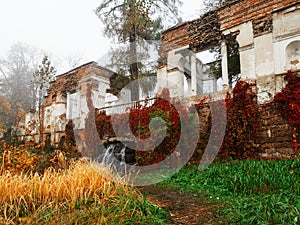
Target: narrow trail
pixel 184 208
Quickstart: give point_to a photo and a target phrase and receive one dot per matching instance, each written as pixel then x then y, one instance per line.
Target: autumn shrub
pixel 163 110
pixel 242 123
pixel 18 158
pixel 32 158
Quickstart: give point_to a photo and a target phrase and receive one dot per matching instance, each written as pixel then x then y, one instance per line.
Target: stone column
pixel 178 77
pixel 194 74
pixel 176 83
pixel 215 85
pixel 68 106
pixel 224 65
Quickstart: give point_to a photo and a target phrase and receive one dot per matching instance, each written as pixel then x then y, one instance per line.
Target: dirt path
pixel 184 208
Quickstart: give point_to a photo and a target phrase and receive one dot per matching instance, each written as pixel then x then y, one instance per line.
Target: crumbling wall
pixel 199 34
pixel 267 86
pixel 274 134
pixel 68 82
pixel 173 38
pixel 260 12
pixel 56 106
pixel 205 32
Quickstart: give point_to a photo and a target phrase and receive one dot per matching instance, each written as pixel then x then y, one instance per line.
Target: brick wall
pixel 174 38
pixel 274 134
pixel 205 32
pixel 273 139
pixel 237 12
pixel 201 33
pixel 68 82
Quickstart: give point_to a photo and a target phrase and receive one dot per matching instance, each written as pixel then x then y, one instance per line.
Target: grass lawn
pixel 254 192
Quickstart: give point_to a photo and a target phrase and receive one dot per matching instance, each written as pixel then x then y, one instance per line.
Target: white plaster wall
pixel 264 55
pixel 162 81
pixel 174 59
pixel 99 97
pixel 286 23
pixel 293 55
pixel 59 109
pixel 80 109
pixel 245 37
pixel 267 86
pixel 176 83
pixel 281 65
pixel 286 29
pixel 125 96
pixel 175 78
pixel 55 119
pixel 247 60
pixel 73 105
pixel 48 117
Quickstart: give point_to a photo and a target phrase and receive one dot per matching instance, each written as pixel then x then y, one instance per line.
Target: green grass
pixel 255 192
pixel 120 210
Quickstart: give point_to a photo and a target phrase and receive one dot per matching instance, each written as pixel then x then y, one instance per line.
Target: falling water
pixel 115 157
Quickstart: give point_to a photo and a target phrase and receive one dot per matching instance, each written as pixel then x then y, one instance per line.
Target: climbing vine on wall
pixel 91 149
pixel 140 117
pixel 288 104
pixel 242 122
pixel 140 120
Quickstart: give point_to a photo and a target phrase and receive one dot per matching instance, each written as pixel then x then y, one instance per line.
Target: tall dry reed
pixel 23 194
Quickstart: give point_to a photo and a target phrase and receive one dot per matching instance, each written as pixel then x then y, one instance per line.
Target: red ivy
pixel 288 104
pixel 288 100
pixel 242 122
pixel 139 120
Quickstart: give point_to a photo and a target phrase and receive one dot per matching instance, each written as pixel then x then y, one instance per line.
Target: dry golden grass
pixel 80 181
pixel 67 193
pixel 24 194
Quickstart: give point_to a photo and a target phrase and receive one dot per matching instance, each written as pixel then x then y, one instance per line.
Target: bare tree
pixel 42 77
pixel 16 74
pixel 5 113
pixel 74 61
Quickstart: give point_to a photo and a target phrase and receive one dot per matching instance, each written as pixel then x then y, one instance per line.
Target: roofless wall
pixel 267 32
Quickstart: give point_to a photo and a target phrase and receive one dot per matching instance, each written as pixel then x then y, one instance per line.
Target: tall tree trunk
pixel 133 57
pixel 133 66
pixel 41 116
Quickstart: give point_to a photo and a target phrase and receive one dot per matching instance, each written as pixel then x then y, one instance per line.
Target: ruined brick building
pixel 268 36
pixel 66 100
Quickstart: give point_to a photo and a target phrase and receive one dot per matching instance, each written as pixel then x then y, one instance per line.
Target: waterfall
pixel 118 157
